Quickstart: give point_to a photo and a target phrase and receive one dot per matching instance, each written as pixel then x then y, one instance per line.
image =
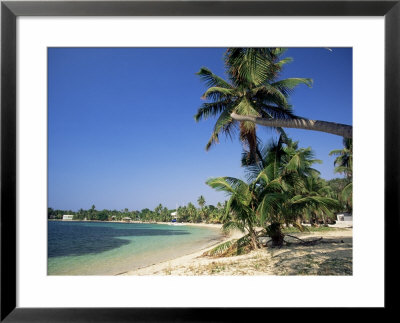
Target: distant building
pixel 174 215
pixel 67 217
pixel 126 219
pixel 344 220
pixel 344 217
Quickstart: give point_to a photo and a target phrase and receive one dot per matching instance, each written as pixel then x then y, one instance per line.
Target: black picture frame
pixel 10 10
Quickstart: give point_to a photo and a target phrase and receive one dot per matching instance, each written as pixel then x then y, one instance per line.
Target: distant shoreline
pixel 209 225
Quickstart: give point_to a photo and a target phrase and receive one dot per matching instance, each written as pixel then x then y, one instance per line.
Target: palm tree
pixel 276 194
pixel 183 213
pixel 347 196
pixel 92 212
pixel 201 201
pixel 254 95
pixel 297 197
pixel 318 188
pixel 344 161
pixel 192 212
pixel 246 63
pixel 240 211
pixel 344 165
pixel 158 210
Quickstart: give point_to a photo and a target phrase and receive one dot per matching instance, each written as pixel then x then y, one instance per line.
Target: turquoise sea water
pixel 104 248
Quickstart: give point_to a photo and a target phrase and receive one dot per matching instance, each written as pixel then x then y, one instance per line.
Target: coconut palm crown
pixel 252 89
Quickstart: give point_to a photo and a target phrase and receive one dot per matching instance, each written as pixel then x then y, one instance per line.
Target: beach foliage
pixel 185 213
pixel 252 88
pixel 344 160
pixel 235 247
pixel 282 188
pixel 254 94
pixel 344 165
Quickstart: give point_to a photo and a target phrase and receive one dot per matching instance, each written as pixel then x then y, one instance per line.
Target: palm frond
pixel 231 248
pixel 270 206
pixel 284 61
pixel 245 107
pixel 347 191
pixel 217 93
pixel 287 86
pixel 224 123
pixel 252 66
pixel 210 79
pixel 220 249
pixel 268 93
pixel 220 184
pixel 335 152
pixel 231 226
pixel 211 109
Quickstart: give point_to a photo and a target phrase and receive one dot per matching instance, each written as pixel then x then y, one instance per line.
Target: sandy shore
pixel 330 256
pixel 205 225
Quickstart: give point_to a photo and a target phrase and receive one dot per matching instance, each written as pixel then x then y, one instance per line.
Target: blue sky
pixel 122 134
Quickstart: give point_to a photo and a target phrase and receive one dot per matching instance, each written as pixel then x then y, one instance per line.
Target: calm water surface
pixel 95 248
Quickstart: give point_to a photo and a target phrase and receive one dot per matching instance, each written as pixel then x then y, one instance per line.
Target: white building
pixel 344 220
pixel 174 215
pixel 67 217
pixel 344 217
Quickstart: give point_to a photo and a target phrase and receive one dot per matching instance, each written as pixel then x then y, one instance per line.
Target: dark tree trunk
pixel 276 235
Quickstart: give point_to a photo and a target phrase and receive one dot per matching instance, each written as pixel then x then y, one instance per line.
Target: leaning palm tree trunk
pixel 300 123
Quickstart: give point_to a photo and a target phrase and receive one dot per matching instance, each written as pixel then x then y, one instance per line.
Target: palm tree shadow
pixel 331 257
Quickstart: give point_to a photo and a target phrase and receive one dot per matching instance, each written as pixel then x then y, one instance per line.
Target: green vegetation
pixel 252 95
pixel 282 188
pixel 344 165
pixel 253 89
pixel 189 213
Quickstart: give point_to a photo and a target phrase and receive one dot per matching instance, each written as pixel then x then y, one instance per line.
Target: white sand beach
pixel 330 256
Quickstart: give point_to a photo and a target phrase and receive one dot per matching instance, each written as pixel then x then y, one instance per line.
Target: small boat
pixel 174 222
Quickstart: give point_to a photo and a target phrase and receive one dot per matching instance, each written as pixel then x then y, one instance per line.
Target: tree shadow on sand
pixel 330 257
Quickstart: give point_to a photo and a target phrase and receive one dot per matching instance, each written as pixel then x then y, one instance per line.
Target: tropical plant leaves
pixel 252 89
pixel 210 79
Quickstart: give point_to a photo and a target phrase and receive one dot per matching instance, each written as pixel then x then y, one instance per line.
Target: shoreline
pixel 207 246
pixel 333 257
pixel 188 257
pixel 338 224
pixel 210 225
pixel 205 235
